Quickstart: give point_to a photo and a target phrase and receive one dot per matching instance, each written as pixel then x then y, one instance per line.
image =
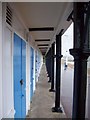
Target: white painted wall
pixel 34 83
pixel 8 109
pixel 7 82
pixel 27 78
pixel 0 60
pixel 41 62
pixel 35 65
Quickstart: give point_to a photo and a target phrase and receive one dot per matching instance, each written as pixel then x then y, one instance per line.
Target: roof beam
pixel 43 44
pixel 44 50
pixel 43 47
pixel 39 40
pixel 42 29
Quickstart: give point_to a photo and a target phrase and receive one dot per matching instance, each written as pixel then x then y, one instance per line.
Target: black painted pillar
pixel 80 53
pixel 46 57
pixel 48 64
pixel 52 67
pixel 57 107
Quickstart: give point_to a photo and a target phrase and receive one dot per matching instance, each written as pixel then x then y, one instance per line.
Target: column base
pixel 49 81
pixel 51 90
pixel 58 110
pixel 47 75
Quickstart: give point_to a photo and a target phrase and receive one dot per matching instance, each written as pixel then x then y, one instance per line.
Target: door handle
pixel 22 95
pixel 21 81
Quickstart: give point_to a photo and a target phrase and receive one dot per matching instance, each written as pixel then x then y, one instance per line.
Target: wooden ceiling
pixel 44 20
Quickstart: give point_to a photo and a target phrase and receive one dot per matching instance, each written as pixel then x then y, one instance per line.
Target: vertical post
pixel 1 43
pixel 52 68
pixel 48 64
pixel 57 107
pixel 80 54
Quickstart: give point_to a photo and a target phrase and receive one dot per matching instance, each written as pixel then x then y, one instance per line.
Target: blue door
pixel 31 71
pixel 19 73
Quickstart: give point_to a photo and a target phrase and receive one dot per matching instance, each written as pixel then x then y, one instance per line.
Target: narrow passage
pixel 43 100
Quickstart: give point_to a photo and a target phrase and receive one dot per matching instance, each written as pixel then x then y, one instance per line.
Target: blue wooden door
pixel 19 73
pixel 31 71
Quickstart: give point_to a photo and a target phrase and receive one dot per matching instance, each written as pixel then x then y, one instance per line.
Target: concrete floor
pixel 67 90
pixel 43 100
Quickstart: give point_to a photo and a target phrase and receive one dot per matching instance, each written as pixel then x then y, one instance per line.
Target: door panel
pixel 19 75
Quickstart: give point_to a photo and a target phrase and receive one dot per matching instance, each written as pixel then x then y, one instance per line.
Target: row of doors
pixel 19 69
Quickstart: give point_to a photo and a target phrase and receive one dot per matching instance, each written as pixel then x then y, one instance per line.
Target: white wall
pixel 35 65
pixel 27 78
pixel 0 60
pixel 7 81
pixel 7 74
pixel 34 83
pixel 41 62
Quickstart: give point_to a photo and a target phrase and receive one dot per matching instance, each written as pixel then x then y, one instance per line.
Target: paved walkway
pixel 43 100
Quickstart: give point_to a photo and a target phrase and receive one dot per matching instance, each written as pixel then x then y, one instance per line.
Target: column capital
pixel 78 53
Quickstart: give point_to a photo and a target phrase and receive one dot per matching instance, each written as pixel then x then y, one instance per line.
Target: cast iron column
pixel 80 82
pixel 80 53
pixel 48 64
pixel 52 68
pixel 57 107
